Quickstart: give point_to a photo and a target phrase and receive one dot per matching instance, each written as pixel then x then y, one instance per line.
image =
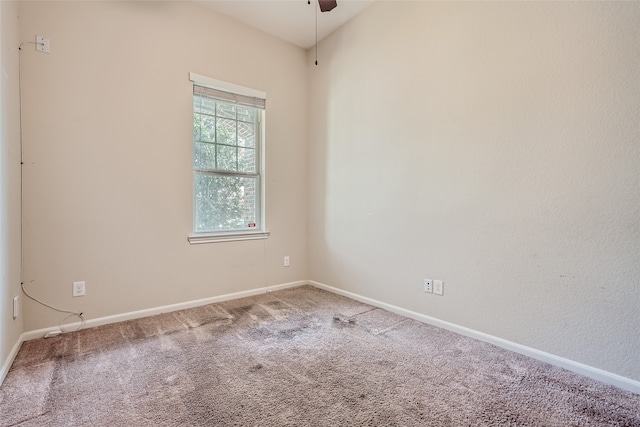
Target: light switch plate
pixel 16 307
pixel 438 287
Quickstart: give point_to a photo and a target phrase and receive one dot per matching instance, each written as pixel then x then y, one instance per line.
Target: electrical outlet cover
pixel 43 44
pixel 78 289
pixel 428 285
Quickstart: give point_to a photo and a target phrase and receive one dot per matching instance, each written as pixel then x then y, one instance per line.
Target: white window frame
pixel 227 236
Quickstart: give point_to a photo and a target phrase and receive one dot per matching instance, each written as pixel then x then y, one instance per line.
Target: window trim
pixel 200 238
pixel 235 235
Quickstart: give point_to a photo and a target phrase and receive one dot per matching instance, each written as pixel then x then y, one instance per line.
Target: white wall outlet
pixel 16 306
pixel 43 44
pixel 78 289
pixel 428 285
pixel 438 287
pixel 286 261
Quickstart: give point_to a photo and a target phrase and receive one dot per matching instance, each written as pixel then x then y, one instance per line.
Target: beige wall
pixel 494 146
pixel 10 328
pixel 107 141
pixel 490 145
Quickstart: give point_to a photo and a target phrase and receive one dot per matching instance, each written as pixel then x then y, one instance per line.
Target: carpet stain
pixel 340 320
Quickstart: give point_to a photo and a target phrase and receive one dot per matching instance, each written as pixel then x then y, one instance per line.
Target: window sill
pixel 197 239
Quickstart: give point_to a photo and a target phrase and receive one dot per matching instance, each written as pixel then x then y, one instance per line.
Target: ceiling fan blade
pixel 327 5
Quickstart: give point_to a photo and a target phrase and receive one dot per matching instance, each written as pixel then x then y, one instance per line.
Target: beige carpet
pixel 298 357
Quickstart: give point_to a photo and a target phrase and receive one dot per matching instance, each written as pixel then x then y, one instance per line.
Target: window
pixel 227 161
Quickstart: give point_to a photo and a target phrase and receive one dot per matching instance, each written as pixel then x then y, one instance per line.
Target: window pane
pixel 246 134
pixel 224 203
pixel 196 127
pixel 246 114
pixel 226 110
pixel 226 131
pixel 227 158
pixel 204 155
pixel 206 128
pixel 204 105
pixel 246 160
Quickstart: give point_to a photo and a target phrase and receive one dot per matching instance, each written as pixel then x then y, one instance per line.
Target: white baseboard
pixel 39 333
pixel 9 361
pixel 579 368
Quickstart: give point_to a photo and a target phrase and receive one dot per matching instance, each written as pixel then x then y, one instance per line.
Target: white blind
pixel 210 92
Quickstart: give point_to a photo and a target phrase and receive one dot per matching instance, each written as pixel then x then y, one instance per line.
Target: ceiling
pixel 290 20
